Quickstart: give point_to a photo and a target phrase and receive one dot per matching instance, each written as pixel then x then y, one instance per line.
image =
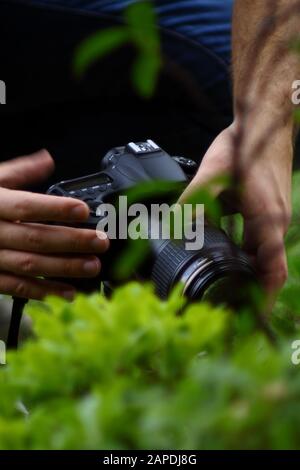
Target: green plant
pixel 130 373
pixel 140 30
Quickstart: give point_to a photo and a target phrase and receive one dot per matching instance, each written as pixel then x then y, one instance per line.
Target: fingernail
pixel 69 294
pixel 79 213
pixel 92 267
pixel 100 244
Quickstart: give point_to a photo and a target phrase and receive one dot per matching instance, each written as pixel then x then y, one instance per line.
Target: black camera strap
pixel 15 322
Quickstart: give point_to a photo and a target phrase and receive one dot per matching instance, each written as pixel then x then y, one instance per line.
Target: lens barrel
pixel 220 272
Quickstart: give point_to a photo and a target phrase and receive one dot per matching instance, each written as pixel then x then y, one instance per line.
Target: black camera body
pixel 122 169
pixel 210 272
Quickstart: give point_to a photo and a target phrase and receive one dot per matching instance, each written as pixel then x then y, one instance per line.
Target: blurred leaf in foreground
pixel 140 29
pixel 97 46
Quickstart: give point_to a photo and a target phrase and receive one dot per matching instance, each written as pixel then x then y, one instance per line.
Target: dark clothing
pixel 79 121
pixel 207 22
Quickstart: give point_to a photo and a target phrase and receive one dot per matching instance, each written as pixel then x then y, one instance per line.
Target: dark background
pixel 78 121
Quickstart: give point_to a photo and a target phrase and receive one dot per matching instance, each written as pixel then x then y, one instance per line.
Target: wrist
pixel 264 137
pixel 271 110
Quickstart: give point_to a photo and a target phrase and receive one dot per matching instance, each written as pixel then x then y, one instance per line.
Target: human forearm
pixel 263 67
pixel 258 147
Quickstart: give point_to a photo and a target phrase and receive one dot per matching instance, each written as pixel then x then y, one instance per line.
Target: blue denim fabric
pixel 206 21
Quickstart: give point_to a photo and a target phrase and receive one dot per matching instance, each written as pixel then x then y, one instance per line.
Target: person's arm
pixel 265 202
pixel 31 252
pixel 261 34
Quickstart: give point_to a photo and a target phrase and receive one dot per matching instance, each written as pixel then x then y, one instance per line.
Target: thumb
pixel 24 171
pixel 212 177
pixel 215 165
pixel 264 241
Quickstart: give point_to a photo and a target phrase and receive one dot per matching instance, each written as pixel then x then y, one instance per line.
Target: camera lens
pixel 220 272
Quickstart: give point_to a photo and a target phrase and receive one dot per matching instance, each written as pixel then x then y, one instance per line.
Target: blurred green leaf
pixel 143 29
pixel 213 209
pixel 145 72
pixel 142 22
pixel 134 372
pixel 154 190
pixel 295 45
pixel 130 373
pixel 140 30
pixel 131 258
pixel 97 46
pixel 297 115
pixel 234 225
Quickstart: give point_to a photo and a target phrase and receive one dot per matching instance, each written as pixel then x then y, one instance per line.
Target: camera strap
pixel 15 322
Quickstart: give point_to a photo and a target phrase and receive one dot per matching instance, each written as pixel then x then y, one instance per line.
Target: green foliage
pixel 156 191
pixel 140 30
pixel 287 311
pixel 98 45
pixel 131 373
pixel 131 259
pixel 144 34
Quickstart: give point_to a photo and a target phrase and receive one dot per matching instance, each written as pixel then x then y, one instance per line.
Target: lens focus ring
pixel 218 256
pixel 168 265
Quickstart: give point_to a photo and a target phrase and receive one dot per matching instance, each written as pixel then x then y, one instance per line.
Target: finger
pixel 50 239
pixel 216 163
pixel 265 241
pixel 214 185
pixel 24 171
pixel 272 266
pixel 30 207
pixel 32 264
pixel 210 176
pixel 30 288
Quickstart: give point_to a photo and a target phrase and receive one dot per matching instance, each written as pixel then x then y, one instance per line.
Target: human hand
pixel 265 199
pixel 30 250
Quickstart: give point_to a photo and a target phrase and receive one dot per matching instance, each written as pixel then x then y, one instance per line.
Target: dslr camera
pixel 219 272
